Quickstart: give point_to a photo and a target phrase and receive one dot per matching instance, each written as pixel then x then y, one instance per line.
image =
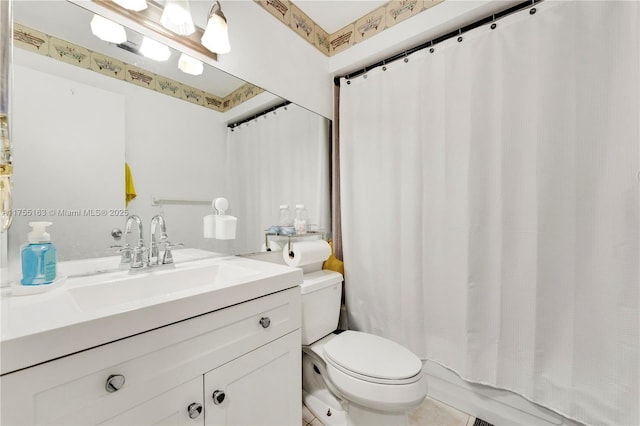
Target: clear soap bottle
pixel 300 219
pixel 39 257
pixel 285 215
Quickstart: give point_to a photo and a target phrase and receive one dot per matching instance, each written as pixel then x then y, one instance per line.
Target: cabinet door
pixel 262 387
pixel 182 405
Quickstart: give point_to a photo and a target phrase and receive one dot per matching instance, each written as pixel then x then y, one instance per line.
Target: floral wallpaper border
pixel 369 25
pixel 62 50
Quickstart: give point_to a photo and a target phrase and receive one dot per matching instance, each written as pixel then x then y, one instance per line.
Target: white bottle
pixel 300 219
pixel 285 216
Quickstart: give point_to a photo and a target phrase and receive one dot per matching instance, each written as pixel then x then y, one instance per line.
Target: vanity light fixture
pixel 216 34
pixel 154 50
pixel 135 5
pixel 190 65
pixel 108 30
pixel 176 17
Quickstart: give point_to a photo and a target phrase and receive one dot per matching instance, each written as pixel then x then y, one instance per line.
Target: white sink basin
pixel 153 285
pixel 91 309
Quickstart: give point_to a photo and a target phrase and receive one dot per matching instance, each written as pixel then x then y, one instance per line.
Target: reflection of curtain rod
pixel 253 117
pixel 156 201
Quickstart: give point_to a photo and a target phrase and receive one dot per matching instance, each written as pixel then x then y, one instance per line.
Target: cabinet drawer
pixel 71 390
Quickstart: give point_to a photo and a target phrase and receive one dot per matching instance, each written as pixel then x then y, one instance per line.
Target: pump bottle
pixel 39 258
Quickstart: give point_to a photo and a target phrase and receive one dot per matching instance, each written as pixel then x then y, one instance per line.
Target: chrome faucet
pixel 154 255
pixel 139 259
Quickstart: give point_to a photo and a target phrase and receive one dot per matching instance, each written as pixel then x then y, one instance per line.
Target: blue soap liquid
pixel 38 264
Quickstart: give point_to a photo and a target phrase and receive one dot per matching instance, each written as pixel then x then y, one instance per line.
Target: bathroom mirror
pixel 83 108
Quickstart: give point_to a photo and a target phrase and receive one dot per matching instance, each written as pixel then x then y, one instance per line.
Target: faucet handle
pixel 126 253
pixel 124 250
pixel 167 257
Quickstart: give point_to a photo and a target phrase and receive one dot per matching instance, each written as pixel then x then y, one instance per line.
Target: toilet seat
pixel 391 393
pixel 372 358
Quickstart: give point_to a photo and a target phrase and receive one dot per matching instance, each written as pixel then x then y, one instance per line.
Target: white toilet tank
pixel 321 296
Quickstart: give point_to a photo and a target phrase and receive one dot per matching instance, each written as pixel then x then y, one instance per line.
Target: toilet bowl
pixel 352 378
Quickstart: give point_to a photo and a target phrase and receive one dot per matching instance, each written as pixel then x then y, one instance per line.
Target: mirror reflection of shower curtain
pixel 509 250
pixel 280 158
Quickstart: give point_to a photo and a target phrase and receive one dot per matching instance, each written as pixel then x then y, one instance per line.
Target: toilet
pixel 352 378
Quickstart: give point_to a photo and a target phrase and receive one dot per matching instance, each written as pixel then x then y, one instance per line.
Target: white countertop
pixel 92 310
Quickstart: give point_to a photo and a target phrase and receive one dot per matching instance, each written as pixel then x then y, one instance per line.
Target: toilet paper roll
pixel 306 253
pixel 273 246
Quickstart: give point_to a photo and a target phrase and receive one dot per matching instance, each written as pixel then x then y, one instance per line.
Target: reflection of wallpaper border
pixel 369 25
pixel 62 50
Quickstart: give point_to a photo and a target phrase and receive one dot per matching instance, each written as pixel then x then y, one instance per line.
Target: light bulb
pixel 190 65
pixel 108 30
pixel 216 36
pixel 135 5
pixel 176 17
pixel 154 50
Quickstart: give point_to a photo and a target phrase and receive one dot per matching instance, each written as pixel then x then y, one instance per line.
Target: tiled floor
pixel 429 413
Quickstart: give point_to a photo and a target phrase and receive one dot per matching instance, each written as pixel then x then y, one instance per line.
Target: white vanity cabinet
pixel 256 388
pixel 249 351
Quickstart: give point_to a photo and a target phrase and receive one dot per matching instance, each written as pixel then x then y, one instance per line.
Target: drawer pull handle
pixel 265 322
pixel 114 383
pixel 194 410
pixel 218 397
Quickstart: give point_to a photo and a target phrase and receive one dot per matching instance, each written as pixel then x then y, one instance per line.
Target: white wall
pixel 176 150
pixel 68 153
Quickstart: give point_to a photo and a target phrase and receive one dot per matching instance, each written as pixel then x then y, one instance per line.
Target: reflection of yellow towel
pixel 129 189
pixel 333 263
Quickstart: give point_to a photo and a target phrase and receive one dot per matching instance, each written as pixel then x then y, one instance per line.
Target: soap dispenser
pixel 39 258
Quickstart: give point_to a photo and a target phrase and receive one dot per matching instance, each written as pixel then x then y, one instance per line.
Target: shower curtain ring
pixel 364 75
pixel 493 22
pixel 431 49
pixel 406 59
pixel 459 35
pixel 384 65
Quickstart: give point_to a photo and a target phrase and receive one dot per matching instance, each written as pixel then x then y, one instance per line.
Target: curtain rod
pixel 491 18
pixel 253 117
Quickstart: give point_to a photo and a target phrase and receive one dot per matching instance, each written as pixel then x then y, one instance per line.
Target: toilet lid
pixel 372 357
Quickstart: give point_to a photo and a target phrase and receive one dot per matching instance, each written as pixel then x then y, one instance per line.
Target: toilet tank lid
pixel 318 280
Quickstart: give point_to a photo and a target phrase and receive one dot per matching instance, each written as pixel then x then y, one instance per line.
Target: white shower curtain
pixel 280 158
pixel 491 208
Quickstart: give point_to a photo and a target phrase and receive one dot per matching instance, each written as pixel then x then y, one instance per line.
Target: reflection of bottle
pixel 285 215
pixel 38 257
pixel 300 219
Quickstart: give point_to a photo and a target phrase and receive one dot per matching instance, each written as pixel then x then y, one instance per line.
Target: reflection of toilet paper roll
pixel 210 226
pixel 225 227
pixel 306 253
pixel 273 246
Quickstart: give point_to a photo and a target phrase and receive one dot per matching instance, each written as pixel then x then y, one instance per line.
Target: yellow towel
pixel 129 189
pixel 333 263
